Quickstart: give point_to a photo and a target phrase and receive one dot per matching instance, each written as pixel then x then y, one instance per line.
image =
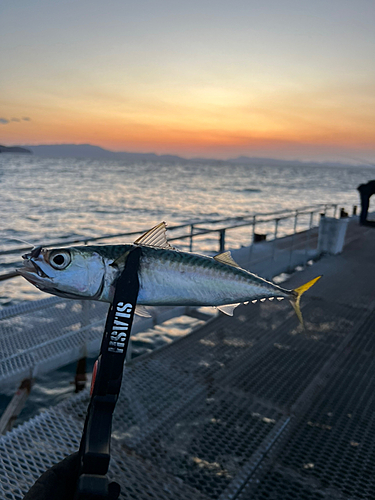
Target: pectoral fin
pixel 142 311
pixel 120 261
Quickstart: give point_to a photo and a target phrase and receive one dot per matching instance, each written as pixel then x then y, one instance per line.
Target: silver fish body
pixel 167 277
pixel 179 278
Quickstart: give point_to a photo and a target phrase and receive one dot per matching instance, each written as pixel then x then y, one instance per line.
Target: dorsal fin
pixel 155 237
pixel 226 258
pixel 228 308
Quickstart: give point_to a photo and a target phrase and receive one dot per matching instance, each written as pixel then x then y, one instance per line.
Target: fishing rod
pixel 105 387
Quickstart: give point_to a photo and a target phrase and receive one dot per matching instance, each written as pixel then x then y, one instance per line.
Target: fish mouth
pixel 33 271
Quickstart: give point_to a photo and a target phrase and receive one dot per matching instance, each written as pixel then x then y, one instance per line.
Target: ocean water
pixel 43 199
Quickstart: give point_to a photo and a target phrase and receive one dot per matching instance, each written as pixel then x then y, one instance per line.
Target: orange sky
pixel 295 83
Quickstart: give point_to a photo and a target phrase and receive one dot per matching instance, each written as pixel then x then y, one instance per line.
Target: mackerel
pixel 167 276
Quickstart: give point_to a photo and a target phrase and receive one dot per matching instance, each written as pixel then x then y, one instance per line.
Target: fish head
pixel 72 272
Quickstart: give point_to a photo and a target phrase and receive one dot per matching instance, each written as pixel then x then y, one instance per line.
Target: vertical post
pixel 15 406
pixel 80 376
pixel 334 212
pixel 191 237
pixel 292 242
pixel 274 239
pixel 307 247
pixel 252 239
pixel 343 213
pixel 222 241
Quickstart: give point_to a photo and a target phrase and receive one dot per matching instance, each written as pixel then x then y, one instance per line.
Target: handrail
pixel 195 229
pixel 292 212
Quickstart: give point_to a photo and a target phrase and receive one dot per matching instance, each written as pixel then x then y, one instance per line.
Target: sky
pixel 277 78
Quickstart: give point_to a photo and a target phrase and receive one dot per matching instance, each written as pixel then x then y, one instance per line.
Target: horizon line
pixel 358 161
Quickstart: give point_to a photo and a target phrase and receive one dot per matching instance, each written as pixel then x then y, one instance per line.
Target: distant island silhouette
pixel 96 152
pixel 14 149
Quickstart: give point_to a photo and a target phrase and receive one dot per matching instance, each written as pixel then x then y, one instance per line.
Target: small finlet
pixel 226 258
pixel 254 301
pixel 271 298
pixel 155 237
pixel 228 308
pixel 247 302
pixel 263 299
pixel 142 311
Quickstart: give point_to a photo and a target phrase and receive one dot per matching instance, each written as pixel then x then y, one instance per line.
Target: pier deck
pixel 249 407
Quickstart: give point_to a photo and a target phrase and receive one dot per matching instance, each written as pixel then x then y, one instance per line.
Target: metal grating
pixel 38 337
pixel 283 485
pixel 334 444
pixel 201 413
pixel 282 366
pixel 25 307
pixel 34 447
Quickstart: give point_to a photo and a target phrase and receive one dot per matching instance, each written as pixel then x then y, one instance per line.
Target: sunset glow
pixel 291 82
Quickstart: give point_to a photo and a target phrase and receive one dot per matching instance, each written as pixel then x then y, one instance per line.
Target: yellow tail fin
pixel 299 291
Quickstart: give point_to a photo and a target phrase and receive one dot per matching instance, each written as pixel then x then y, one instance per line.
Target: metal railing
pixel 194 229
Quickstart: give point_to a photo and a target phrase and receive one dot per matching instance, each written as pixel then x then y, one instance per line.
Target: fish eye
pixel 60 259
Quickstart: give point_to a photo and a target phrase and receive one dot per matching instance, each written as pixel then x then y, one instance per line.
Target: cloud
pixel 4 121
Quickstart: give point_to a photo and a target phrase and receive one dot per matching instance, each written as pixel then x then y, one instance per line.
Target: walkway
pixel 247 408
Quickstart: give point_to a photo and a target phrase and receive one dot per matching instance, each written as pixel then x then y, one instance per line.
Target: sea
pixel 49 199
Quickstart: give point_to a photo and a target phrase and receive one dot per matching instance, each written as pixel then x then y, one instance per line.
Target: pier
pixel 250 408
